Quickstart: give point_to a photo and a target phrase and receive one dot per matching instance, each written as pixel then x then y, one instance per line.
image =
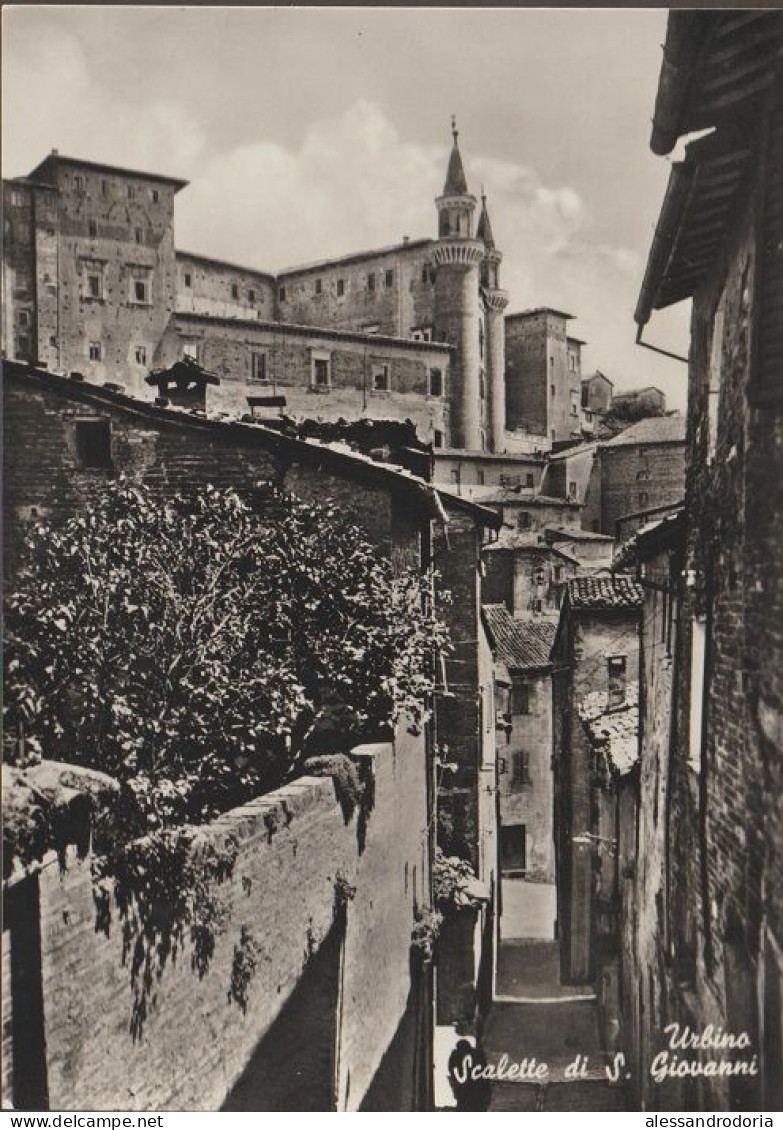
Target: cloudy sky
pixel 307 133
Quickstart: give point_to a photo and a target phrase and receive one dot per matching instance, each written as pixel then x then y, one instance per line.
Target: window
pixel 190 349
pixel 320 373
pixel 340 287
pixel 554 435
pixel 425 274
pixel 644 498
pixel 95 351
pixel 520 697
pixel 480 477
pixel 94 287
pixel 371 282
pixel 251 295
pixel 557 574
pixel 437 438
pixel 529 480
pixel 140 354
pixel 138 235
pixel 421 333
pixel 258 365
pixel 188 279
pixel 17 199
pixel 130 191
pixel 482 385
pixel 93 443
pixel 235 290
pixel 104 188
pixel 155 195
pixel 389 279
pixel 615 670
pixel 552 390
pixel 78 183
pixel 574 403
pixel 696 712
pixel 524 520
pixel 436 382
pixel 23 345
pixel 380 377
pixel 281 294
pixel 572 490
pixel 92 228
pixel 551 363
pixel 24 318
pixel 140 291
pixel 520 769
pixel 455 474
pixel 318 286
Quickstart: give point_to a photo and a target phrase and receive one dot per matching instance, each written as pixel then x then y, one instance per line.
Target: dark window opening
pixel 188 279
pixel 95 351
pixel 437 439
pixel 520 769
pixel 139 235
pixel 318 286
pixel 524 520
pixel 371 282
pixel 251 295
pixel 281 294
pixel 320 373
pixel 616 666
pixel 258 366
pixel 436 382
pixel 92 228
pixel 380 378
pixel 140 290
pixel 520 697
pixel 93 443
pixel 235 290
pixel 529 480
pixel 340 287
pixel 389 278
pixel 512 848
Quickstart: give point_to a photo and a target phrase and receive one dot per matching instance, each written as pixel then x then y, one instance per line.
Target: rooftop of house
pixel 44 169
pixel 519 644
pixel 295 328
pixel 613 729
pixel 631 393
pixel 577 449
pixel 338 457
pixel 604 592
pixel 652 429
pixel 597 375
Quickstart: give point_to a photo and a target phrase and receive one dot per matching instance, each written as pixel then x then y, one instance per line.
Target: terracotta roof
pixel 619 591
pixel 520 644
pixel 653 429
pixel 614 730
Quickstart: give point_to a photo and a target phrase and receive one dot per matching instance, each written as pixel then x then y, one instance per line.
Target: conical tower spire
pixel 484 229
pixel 456 184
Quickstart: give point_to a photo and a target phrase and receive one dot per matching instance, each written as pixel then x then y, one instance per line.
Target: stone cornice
pixel 459 252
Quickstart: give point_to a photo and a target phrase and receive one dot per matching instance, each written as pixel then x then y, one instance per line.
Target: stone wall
pixel 529 800
pixel 208 286
pixel 239 349
pixel 295 848
pixel 389 291
pixel 638 477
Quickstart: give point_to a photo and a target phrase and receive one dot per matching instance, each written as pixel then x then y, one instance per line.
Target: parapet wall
pixel 295 849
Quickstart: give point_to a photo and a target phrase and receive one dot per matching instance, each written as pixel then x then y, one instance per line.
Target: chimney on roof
pixel 55 152
pixel 406 239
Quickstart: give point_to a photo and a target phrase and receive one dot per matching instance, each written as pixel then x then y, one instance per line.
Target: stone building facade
pixel 596 650
pixel 709 947
pixel 523 701
pixel 543 375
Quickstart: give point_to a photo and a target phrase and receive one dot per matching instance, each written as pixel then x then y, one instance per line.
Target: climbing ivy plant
pixel 200 650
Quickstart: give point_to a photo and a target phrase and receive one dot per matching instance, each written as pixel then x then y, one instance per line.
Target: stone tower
pixel 495 301
pixel 457 309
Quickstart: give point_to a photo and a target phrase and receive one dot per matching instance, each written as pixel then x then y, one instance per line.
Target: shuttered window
pixel 769 306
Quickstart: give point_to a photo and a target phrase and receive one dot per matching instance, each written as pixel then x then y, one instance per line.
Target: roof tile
pixel 520 645
pixel 619 591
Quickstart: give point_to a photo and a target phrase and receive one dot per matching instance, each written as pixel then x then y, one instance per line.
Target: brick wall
pixel 207 286
pixel 167 452
pixel 227 347
pixel 339 294
pixel 638 477
pixel 196 1042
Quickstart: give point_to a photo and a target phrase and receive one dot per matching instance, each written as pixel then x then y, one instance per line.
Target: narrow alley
pixel 533 1014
